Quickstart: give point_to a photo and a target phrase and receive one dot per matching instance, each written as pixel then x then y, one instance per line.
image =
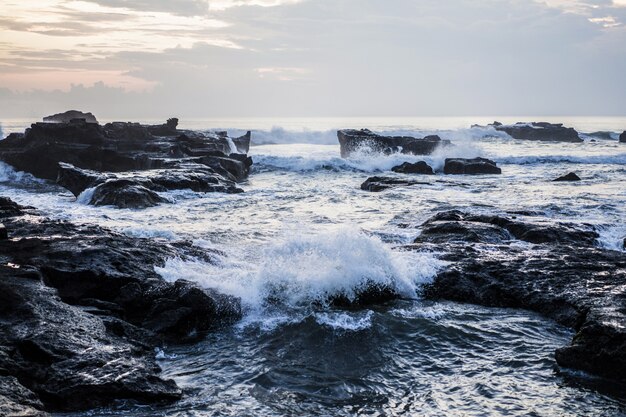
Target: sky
pixel 129 59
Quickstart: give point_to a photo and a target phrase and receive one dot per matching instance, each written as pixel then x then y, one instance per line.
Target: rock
pixel 622 137
pixel 123 193
pixel 462 166
pixel 377 184
pixel 540 131
pixel 351 140
pixel 114 147
pixel 420 167
pixel 70 115
pixel 569 177
pixel 3 232
pixel 16 400
pixel 82 310
pixel 564 276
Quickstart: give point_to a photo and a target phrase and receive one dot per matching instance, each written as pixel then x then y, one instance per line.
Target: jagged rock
pixel 114 147
pixel 622 137
pixel 81 310
pixel 462 166
pixel 569 177
pixel 351 140
pixel 420 167
pixel 4 234
pixel 377 184
pixel 17 400
pixel 564 276
pixel 123 193
pixel 541 131
pixel 70 115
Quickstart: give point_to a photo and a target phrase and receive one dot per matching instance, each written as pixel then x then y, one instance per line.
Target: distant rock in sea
pixel 622 137
pixel 540 131
pixel 569 177
pixel 474 166
pixel 420 167
pixel 351 140
pixel 70 115
pixel 377 184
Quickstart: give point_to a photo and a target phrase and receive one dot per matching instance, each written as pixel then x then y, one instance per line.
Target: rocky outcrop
pixel 622 137
pixel 420 167
pixel 568 177
pixel 114 147
pixel 70 115
pixel 377 184
pixel 138 189
pixel 561 274
pixel 82 310
pixel 351 140
pixel 540 131
pixel 475 166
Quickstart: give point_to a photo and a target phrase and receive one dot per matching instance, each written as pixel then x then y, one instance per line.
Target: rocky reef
pixel 351 140
pixel 420 167
pixel 541 131
pixel 559 272
pixel 377 184
pixel 82 311
pixel 473 166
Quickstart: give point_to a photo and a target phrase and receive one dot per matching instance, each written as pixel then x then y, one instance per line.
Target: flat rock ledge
pixel 82 311
pixel 352 140
pixel 539 131
pixel 560 272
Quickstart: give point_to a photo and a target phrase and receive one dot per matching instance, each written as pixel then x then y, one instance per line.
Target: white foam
pixel 618 159
pixel 86 196
pixel 612 237
pixel 304 270
pixel 9 175
pixel 353 322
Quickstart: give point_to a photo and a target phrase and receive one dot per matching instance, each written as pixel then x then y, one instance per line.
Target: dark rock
pixel 82 309
pixel 123 193
pixel 420 167
pixel 70 115
pixel 569 177
pixel 541 131
pixel 17 400
pixel 622 137
pixel 564 276
pixel 351 140
pixel 3 232
pixel 475 166
pixel 114 147
pixel 377 184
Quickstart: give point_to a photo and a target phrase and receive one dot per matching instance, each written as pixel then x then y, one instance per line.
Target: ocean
pixel 304 230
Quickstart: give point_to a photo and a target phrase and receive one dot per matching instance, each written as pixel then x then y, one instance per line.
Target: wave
pixel 612 237
pixel 9 175
pixel 618 159
pixel 307 271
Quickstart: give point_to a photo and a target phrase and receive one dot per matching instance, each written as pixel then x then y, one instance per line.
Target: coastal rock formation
pixel 351 140
pixel 562 275
pixel 82 310
pixel 420 167
pixel 622 137
pixel 475 166
pixel 114 147
pixel 377 184
pixel 138 189
pixel 70 115
pixel 569 177
pixel 541 131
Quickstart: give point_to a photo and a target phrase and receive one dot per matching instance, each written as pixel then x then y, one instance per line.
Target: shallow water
pixel 304 230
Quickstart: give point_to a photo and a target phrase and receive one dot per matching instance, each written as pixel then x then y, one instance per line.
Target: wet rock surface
pixel 568 177
pixel 559 271
pixel 541 131
pixel 351 140
pixel 474 166
pixel 622 137
pixel 82 310
pixel 420 167
pixel 377 184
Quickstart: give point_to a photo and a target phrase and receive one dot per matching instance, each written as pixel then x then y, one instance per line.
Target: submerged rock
pixel 475 166
pixel 351 140
pixel 377 184
pixel 541 131
pixel 420 167
pixel 82 310
pixel 68 116
pixel 569 177
pixel 563 275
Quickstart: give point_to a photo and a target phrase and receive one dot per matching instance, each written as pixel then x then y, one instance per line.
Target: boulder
pixel 351 140
pixel 475 166
pixel 569 177
pixel 124 193
pixel 68 116
pixel 563 275
pixel 622 137
pixel 540 131
pixel 377 184
pixel 420 167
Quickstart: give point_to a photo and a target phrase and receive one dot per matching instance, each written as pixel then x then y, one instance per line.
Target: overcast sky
pixel 240 58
